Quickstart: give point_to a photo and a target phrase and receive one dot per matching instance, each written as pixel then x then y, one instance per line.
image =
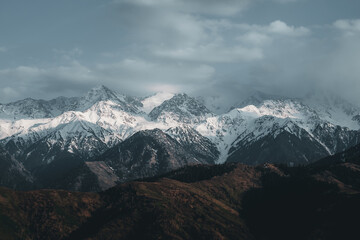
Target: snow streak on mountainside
pixel 39 133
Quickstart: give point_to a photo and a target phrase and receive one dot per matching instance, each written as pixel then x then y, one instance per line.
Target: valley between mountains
pixel 93 142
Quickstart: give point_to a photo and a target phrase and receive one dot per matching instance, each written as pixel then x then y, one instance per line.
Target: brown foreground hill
pixel 231 201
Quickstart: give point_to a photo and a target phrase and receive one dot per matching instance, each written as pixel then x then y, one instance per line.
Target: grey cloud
pixel 282 28
pixel 294 65
pixel 286 1
pixel 340 70
pixel 25 81
pixel 213 53
pixel 255 38
pixel 207 7
pixel 177 35
pixel 219 43
pixel 148 77
pixel 154 76
pixel 348 25
pixel 213 7
pixel 68 54
pixel 225 48
pixel 277 27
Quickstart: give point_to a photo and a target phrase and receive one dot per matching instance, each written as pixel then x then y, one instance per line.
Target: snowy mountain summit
pixel 262 128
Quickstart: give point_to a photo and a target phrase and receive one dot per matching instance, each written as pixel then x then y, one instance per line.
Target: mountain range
pixel 93 142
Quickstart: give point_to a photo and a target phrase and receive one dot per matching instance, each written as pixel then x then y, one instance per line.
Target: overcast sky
pixel 50 48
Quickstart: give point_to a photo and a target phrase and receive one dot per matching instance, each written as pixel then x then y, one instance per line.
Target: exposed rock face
pixel 148 153
pixel 13 173
pixel 194 143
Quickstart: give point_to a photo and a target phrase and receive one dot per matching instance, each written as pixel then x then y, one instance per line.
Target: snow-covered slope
pixel 267 117
pixel 332 128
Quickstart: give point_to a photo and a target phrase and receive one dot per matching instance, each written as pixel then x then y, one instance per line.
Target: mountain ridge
pixel 84 128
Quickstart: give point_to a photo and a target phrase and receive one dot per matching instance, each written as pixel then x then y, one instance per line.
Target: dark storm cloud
pixel 201 47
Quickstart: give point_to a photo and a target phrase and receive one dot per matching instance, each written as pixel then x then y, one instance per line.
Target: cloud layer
pixel 201 47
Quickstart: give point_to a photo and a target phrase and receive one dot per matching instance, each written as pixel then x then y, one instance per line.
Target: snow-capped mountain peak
pixel 100 93
pixel 180 108
pixel 278 108
pixel 104 94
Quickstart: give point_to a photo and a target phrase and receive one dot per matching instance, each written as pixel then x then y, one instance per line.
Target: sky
pixel 223 49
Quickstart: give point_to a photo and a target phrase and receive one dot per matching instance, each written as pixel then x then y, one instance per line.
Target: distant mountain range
pixel 93 142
